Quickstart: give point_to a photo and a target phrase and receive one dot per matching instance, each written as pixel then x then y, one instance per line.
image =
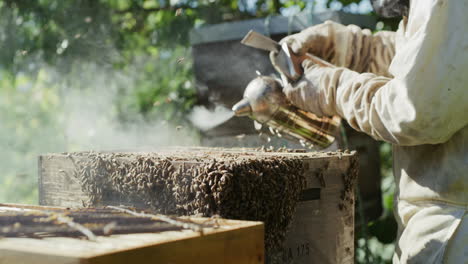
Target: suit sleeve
pixel 425 101
pixel 347 46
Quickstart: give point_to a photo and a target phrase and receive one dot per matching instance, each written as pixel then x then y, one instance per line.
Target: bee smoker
pixel 265 102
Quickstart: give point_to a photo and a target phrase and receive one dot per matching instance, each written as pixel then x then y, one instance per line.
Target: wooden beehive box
pixel 231 241
pixel 305 199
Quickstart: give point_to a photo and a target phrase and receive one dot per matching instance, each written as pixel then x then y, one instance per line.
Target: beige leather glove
pixel 306 94
pixel 346 46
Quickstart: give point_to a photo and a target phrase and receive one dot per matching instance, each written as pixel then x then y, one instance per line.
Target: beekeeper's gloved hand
pixel 306 94
pixel 393 109
pixel 346 46
pixel 317 40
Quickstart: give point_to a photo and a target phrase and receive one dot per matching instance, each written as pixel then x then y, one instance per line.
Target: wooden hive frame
pixel 231 241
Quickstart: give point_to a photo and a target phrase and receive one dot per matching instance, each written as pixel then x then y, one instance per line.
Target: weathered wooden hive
pixel 306 200
pixel 51 235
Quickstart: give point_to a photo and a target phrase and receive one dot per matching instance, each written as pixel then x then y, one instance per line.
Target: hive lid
pixel 274 25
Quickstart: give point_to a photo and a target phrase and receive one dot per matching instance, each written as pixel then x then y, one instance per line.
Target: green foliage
pixel 343 2
pixel 377 245
pixel 170 94
pixel 27 105
pixel 56 49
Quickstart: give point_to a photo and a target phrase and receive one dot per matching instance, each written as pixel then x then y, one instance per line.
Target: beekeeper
pixel 409 88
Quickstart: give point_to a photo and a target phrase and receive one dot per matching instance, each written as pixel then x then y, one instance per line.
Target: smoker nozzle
pixel 242 108
pixel 262 97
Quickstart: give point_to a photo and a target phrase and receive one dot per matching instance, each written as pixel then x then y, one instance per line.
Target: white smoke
pixel 206 119
pixel 73 112
pixel 92 122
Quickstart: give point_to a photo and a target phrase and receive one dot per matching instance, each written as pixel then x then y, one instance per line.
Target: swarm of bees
pixel 349 181
pixel 249 188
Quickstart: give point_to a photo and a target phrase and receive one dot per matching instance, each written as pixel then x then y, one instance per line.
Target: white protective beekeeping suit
pixel 409 88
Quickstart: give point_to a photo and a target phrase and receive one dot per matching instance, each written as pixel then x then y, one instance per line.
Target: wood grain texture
pixel 59 187
pixel 322 230
pixel 57 184
pixel 232 242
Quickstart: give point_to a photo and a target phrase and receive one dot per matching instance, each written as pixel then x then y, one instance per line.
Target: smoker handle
pixel 299 59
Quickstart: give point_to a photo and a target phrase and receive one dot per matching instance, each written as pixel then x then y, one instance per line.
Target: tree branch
pixel 153 9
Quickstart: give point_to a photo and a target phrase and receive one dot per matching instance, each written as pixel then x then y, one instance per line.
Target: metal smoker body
pixel 265 102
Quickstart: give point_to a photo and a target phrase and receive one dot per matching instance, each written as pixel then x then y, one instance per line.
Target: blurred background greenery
pixel 130 61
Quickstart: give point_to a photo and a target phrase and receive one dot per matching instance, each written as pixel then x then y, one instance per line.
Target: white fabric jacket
pixel 409 88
